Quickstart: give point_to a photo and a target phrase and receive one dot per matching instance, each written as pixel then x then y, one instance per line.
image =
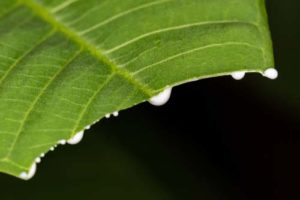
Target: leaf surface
pixel 65 64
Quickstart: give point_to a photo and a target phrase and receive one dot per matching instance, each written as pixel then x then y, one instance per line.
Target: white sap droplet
pixel 38 160
pixel 30 174
pixel 42 155
pixel 271 73
pixel 76 138
pixel 162 98
pixel 87 127
pixel 62 142
pixel 116 114
pixel 107 116
pixel 238 75
pixel 52 148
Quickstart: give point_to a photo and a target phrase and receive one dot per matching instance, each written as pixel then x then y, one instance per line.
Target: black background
pixel 215 139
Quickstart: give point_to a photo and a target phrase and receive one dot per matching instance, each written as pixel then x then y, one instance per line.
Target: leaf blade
pixel 78 71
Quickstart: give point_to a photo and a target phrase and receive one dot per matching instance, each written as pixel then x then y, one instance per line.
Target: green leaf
pixel 65 64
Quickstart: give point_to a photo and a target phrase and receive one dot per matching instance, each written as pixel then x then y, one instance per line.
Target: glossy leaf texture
pixel 65 64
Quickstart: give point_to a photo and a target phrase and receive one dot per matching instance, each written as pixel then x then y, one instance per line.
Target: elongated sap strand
pixel 76 138
pixel 30 174
pixel 162 98
pixel 238 75
pixel 271 73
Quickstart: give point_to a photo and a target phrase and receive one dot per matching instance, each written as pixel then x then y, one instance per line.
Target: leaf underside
pixel 64 64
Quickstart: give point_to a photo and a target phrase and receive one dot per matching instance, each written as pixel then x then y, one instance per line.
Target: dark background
pixel 215 139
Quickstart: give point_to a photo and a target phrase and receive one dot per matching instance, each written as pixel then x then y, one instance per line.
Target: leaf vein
pixel 36 100
pixel 54 21
pixel 90 101
pixel 26 53
pixel 194 50
pixel 174 28
pixel 122 14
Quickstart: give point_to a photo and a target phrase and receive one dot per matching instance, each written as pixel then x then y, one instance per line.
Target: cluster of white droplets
pixel 270 73
pixel 74 140
pixel 115 114
pixel 158 100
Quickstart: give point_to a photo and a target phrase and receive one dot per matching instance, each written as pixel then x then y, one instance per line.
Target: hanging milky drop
pixel 62 142
pixel 115 114
pixel 271 73
pixel 38 160
pixel 238 75
pixel 76 138
pixel 162 98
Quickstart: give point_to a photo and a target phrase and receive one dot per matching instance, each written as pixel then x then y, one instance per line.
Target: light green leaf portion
pixel 64 64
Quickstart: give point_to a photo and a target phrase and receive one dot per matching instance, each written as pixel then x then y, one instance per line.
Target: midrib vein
pixel 44 14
